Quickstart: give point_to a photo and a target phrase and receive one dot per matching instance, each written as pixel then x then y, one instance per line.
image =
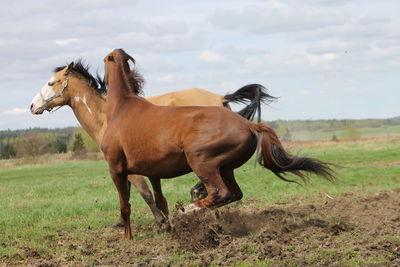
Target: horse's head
pixel 118 58
pixel 53 93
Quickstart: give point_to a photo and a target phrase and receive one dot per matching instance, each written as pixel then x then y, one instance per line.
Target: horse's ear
pixel 130 58
pixel 69 68
pixel 133 61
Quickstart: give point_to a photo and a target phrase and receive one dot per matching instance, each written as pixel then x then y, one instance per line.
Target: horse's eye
pixel 50 83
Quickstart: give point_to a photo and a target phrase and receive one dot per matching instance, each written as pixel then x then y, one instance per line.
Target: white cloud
pixel 208 56
pixel 384 51
pixel 352 89
pixel 278 17
pixel 136 39
pixel 15 111
pixel 61 118
pixel 66 42
pixel 167 78
pixel 331 45
pixel 305 92
pixel 321 59
pixel 59 58
pixel 154 63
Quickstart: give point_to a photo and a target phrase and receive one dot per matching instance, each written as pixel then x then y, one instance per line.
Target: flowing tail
pixel 253 95
pixel 274 157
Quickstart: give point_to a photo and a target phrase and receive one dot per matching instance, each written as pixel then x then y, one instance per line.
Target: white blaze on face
pixel 39 101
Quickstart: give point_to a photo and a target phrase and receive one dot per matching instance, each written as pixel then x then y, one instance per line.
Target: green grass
pixel 328 134
pixel 354 153
pixel 37 201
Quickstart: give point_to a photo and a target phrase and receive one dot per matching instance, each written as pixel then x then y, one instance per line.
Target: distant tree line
pixel 330 125
pixel 39 141
pixel 34 131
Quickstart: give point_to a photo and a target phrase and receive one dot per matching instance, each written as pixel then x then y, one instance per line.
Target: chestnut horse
pixel 166 142
pixel 85 94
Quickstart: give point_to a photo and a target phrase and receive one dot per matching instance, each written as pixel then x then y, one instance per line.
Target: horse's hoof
pixel 118 225
pixel 191 208
pixel 198 192
pixel 165 227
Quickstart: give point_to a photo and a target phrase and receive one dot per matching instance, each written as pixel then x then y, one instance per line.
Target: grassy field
pixel 383 131
pixel 37 201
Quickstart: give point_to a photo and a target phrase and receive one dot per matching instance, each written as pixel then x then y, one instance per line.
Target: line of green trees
pixel 343 129
pixel 331 125
pixel 35 142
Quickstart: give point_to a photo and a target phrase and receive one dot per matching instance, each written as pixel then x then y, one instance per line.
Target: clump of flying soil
pixel 208 229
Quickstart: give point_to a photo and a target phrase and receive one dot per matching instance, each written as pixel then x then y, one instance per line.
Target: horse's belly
pixel 166 166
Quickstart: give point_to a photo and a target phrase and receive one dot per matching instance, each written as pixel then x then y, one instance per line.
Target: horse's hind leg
pixel 141 185
pixel 230 182
pixel 218 192
pixel 161 202
pixel 198 192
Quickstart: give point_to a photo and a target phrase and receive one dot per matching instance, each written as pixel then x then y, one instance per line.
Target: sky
pixel 324 59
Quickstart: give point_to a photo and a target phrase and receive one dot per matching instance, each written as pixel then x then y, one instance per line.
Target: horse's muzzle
pixel 36 111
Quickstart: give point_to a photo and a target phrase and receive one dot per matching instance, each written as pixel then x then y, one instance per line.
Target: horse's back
pixel 188 97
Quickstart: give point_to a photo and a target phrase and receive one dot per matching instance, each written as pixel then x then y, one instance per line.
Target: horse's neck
pixel 89 108
pixel 119 91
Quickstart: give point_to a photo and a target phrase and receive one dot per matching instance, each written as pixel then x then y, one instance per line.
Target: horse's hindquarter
pixel 218 136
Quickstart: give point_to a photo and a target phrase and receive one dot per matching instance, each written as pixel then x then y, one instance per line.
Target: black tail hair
pixel 274 157
pixel 253 95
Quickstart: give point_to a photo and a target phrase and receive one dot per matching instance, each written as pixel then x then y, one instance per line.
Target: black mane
pixel 136 81
pixel 79 67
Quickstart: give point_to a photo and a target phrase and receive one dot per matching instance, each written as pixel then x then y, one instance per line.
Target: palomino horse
pixel 85 94
pixel 166 142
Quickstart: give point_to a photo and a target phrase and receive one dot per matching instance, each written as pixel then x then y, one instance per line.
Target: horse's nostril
pixel 31 106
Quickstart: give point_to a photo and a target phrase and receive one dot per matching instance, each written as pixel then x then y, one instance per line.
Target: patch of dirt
pixel 351 228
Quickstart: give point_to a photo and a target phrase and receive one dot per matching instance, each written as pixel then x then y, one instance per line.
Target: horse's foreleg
pixel 141 185
pixel 120 223
pixel 121 183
